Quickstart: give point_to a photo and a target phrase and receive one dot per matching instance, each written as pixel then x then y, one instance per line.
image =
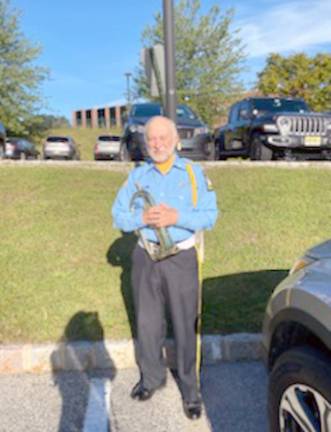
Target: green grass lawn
pixel 60 256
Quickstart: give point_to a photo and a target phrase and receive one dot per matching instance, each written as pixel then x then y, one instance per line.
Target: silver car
pixel 297 346
pixel 60 147
pixel 107 147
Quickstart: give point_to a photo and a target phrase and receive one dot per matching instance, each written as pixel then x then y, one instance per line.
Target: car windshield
pixel 108 138
pixel 57 139
pixel 147 110
pixel 278 105
pixel 186 112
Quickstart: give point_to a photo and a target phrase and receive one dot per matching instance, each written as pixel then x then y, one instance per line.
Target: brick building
pixel 110 115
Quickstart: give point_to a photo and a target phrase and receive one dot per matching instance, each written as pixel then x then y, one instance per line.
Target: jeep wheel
pixel 259 151
pixel 299 394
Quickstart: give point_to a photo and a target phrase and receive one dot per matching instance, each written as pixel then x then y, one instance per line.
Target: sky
pixel 88 46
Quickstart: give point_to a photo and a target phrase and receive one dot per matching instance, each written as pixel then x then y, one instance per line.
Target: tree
pixel 208 57
pixel 42 123
pixel 20 78
pixel 299 76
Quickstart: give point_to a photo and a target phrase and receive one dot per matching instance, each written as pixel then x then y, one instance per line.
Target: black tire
pixel 258 151
pixel 220 148
pixel 299 378
pixel 124 155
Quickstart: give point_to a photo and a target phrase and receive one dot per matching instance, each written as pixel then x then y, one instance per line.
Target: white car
pixel 107 147
pixel 60 147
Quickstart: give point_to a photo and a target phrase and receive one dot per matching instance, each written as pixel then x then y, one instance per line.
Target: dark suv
pixel 2 140
pixel 265 128
pixel 195 140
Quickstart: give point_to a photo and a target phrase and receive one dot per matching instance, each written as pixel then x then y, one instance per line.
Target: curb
pixel 83 355
pixel 127 166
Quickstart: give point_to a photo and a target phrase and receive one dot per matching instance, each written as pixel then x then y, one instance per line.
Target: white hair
pixel 171 125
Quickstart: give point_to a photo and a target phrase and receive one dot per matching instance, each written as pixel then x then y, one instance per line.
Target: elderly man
pixel 184 204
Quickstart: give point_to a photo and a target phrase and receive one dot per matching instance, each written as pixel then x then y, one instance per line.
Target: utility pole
pixel 170 63
pixel 128 90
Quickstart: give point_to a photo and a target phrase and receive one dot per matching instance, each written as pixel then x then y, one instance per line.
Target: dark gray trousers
pixel 172 282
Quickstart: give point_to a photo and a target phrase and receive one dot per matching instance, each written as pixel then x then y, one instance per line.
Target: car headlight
pixel 137 128
pixel 301 263
pixel 133 128
pixel 270 128
pixel 201 130
pixel 284 124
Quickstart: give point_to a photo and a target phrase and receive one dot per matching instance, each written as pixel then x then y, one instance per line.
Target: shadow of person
pixel 237 301
pixel 119 255
pixel 82 373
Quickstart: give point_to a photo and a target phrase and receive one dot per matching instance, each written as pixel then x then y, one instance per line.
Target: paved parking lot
pixel 234 398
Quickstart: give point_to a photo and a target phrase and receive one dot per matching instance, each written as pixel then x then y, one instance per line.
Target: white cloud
pixel 288 26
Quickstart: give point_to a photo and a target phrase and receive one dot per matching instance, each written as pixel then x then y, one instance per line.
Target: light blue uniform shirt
pixel 173 189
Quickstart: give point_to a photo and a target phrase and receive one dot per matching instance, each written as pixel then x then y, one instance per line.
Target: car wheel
pixel 220 148
pixel 259 151
pixel 124 155
pixel 299 395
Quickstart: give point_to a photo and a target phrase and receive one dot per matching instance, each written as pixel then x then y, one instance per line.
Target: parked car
pixel 195 139
pixel 265 128
pixel 2 140
pixel 297 346
pixel 60 147
pixel 20 148
pixel 107 147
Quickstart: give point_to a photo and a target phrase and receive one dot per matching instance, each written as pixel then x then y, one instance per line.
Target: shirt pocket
pixel 179 196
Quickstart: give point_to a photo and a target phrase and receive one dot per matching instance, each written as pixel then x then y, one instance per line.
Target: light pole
pixel 128 90
pixel 170 65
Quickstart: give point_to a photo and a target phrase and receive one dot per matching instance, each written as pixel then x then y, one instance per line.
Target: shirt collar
pixel 178 163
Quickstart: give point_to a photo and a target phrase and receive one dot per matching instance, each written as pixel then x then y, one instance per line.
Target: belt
pixel 183 245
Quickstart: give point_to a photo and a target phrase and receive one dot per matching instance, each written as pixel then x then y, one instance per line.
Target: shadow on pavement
pixel 71 368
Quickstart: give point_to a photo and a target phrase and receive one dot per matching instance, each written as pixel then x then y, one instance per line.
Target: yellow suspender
pixel 193 181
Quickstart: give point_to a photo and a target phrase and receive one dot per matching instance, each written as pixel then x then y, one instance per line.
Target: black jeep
pixel 265 128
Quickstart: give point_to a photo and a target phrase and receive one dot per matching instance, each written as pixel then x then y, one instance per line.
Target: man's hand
pixel 160 216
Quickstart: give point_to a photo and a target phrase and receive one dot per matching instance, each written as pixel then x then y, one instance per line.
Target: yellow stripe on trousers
pixel 193 181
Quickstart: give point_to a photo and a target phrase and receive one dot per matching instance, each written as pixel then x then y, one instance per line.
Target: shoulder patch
pixel 209 184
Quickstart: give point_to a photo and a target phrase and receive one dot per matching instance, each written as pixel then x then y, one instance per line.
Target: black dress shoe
pixel 192 410
pixel 141 393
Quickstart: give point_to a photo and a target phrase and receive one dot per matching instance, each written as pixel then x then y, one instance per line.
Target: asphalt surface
pixel 234 400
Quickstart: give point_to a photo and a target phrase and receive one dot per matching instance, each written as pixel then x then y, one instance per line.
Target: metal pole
pixel 128 94
pixel 170 64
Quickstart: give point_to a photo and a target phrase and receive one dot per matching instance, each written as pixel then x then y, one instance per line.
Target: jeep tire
pixel 299 391
pixel 257 150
